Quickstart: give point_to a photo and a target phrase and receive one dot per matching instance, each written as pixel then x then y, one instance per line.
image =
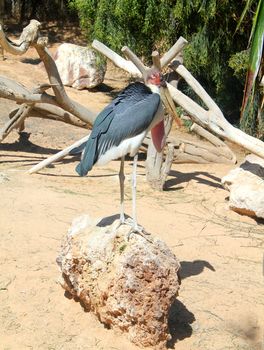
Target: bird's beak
pixel 168 102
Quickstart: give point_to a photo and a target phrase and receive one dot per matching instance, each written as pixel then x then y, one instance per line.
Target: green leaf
pixel 245 11
pixel 255 20
pixel 256 50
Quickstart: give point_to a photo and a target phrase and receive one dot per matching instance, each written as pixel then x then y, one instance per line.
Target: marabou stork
pixel 121 127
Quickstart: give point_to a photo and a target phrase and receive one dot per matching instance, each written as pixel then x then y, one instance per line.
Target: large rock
pixel 79 67
pixel 246 186
pixel 129 284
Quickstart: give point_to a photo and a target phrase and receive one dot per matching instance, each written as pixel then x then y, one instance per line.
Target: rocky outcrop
pixel 79 67
pixel 246 186
pixel 129 284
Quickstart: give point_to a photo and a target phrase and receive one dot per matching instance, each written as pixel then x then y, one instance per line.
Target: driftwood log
pixel 189 151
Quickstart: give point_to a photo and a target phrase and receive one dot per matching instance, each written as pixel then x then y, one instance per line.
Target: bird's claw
pixel 138 231
pixel 135 228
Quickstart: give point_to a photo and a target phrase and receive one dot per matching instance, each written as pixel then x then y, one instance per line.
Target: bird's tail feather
pixel 88 158
pixel 78 149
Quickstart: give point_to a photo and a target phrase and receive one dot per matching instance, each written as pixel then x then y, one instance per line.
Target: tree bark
pixel 220 149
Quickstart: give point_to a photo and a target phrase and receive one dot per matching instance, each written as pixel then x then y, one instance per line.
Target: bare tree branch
pixel 27 37
pixel 156 60
pixel 64 108
pixel 220 145
pixel 116 59
pixel 61 97
pixel 29 98
pixel 173 51
pixel 133 58
pixel 217 123
pixel 196 86
pixel 16 121
pixel 43 110
pixel 57 156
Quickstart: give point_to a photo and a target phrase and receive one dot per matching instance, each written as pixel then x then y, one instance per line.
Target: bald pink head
pixel 156 78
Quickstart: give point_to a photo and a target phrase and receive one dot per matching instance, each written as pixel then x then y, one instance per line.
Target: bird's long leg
pixel 134 193
pixel 135 227
pixel 121 181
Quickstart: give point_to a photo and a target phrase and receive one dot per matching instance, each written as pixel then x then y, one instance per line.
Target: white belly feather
pixel 128 146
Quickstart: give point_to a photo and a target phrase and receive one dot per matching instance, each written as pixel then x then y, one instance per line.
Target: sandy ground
pixel 220 305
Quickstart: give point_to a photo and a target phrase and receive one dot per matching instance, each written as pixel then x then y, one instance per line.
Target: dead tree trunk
pixel 58 106
pixel 212 118
pixel 158 164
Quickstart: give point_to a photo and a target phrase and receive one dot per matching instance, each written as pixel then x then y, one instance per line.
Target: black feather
pixel 78 149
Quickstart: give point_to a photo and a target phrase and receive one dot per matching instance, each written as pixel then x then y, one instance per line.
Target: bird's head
pixel 156 81
pixel 156 78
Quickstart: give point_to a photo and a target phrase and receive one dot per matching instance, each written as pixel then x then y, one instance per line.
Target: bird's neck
pixel 154 88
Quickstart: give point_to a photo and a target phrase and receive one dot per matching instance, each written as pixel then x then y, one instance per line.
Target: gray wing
pixel 128 122
pixel 127 116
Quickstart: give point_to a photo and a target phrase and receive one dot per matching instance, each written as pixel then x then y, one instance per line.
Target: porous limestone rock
pixel 129 284
pixel 79 67
pixel 246 186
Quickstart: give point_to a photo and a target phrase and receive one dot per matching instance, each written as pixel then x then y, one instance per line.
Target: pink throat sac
pixel 158 136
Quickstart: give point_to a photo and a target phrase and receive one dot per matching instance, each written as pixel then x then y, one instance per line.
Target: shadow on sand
pixel 193 268
pixel 180 318
pixel 179 321
pixel 179 178
pixel 25 145
pixel 107 221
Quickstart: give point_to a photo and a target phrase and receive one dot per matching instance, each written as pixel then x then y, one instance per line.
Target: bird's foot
pixel 135 226
pixel 136 229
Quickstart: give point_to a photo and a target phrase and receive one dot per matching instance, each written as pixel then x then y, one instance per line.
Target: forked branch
pixel 212 119
pixel 27 37
pixel 136 61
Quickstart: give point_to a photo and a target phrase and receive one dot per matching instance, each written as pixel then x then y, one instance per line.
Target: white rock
pixel 79 67
pixel 128 284
pixel 246 186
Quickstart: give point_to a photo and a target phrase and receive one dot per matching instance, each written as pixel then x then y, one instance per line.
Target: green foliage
pixel 210 26
pixel 244 13
pixel 252 113
pixel 24 10
pixel 253 117
pixel 239 63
